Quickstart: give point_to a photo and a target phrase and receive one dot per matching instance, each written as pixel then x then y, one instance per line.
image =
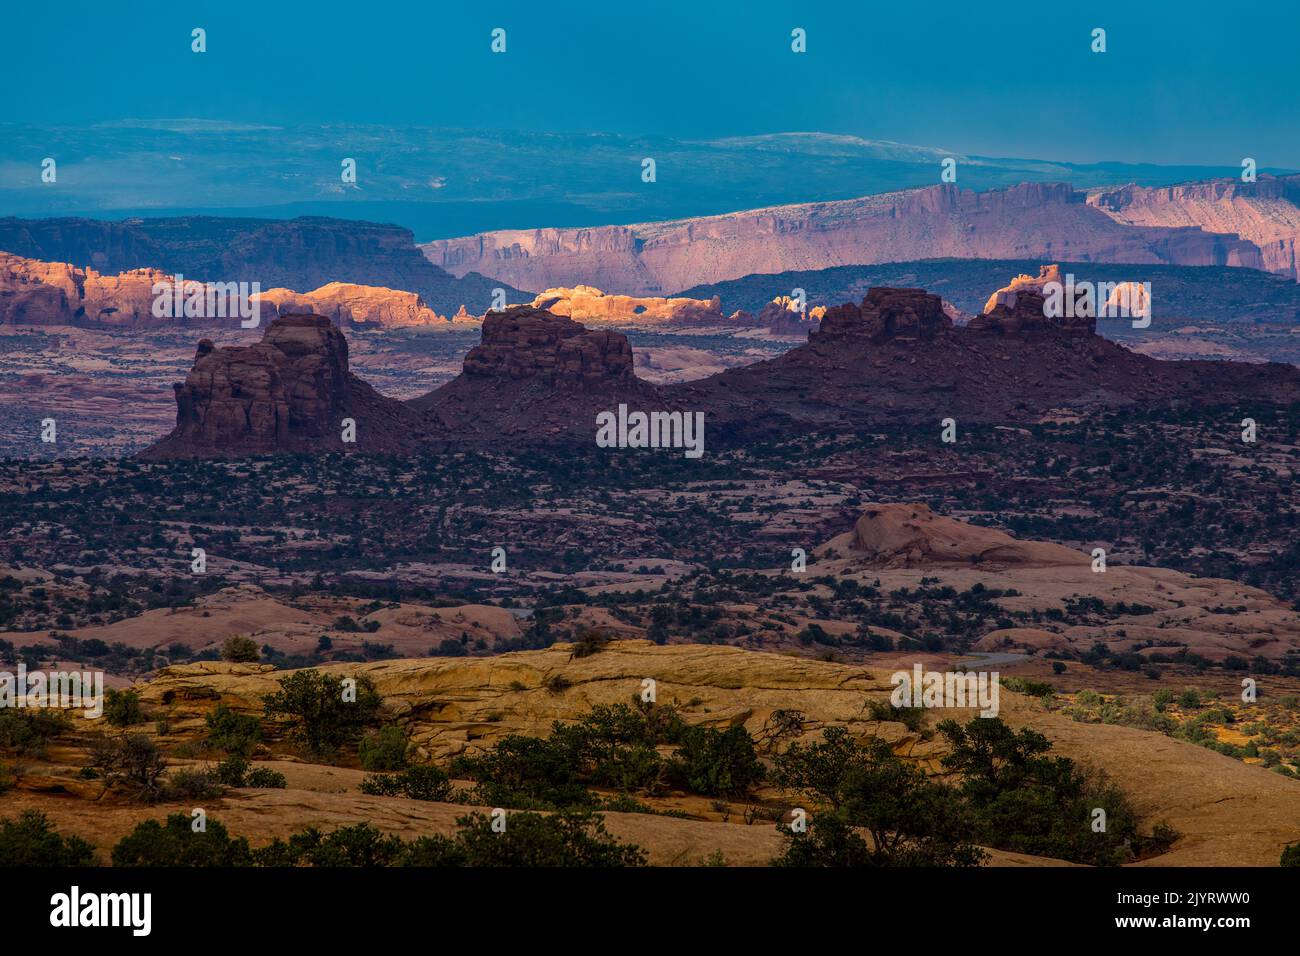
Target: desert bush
pixel 1290 855
pixel 190 783
pixel 175 843
pixel 29 840
pixel 264 778
pixel 568 838
pixel 717 762
pixel 239 649
pixel 231 732
pixel 122 708
pixel 1025 800
pixel 911 819
pixel 525 773
pixel 27 731
pixel 359 845
pixel 422 782
pixel 319 716
pixel 131 761
pixel 385 750
pixel 913 718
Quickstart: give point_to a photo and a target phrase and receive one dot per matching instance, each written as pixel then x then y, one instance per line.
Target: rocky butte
pixel 539 379
pixel 291 392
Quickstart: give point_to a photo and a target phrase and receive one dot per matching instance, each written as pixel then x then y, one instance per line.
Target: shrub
pixel 568 838
pixel 1290 855
pixel 176 843
pixel 132 761
pixel 122 708
pixel 234 733
pixel 31 841
pixel 385 750
pixel 264 778
pixel 717 762
pixel 913 718
pixel 192 784
pixel 525 773
pixel 359 845
pixel 911 819
pixel 239 649
pixel 28 730
pixel 319 715
pixel 423 782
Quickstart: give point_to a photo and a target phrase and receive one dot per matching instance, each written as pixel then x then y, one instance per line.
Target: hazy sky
pixel 1182 81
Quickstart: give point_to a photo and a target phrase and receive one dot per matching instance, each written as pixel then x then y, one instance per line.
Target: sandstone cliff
pixel 1034 220
pixel 347 305
pixel 590 306
pixel 55 293
pixel 1264 212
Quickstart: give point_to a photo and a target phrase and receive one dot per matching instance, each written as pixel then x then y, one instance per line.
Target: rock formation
pixel 885 314
pixel 781 317
pixel 534 376
pixel 54 293
pixel 1032 220
pixel 1264 213
pixel 291 392
pixel 302 253
pixel 592 307
pixel 911 535
pixel 350 305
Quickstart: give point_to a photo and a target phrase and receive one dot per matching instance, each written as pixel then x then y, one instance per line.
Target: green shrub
pixel 359 845
pixel 131 761
pixel 422 782
pixel 319 716
pixel 569 838
pixel 28 730
pixel 175 843
pixel 911 819
pixel 231 732
pixel 31 841
pixel 718 763
pixel 239 649
pixel 191 784
pixel 122 708
pixel 264 778
pixel 913 718
pixel 1290 855
pixel 388 749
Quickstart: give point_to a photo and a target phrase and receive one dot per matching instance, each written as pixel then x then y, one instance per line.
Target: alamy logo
pixel 72 909
pixel 181 298
pixel 651 430
pixel 922 688
pixel 61 689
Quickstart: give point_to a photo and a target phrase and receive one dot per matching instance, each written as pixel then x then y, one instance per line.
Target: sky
pixel 1180 82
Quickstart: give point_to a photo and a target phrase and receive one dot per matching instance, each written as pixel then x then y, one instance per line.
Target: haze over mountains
pixel 444 183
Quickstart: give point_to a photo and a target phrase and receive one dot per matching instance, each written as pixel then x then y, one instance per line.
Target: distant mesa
pixel 291 392
pixel 350 305
pixel 783 316
pixel 886 314
pixel 1219 224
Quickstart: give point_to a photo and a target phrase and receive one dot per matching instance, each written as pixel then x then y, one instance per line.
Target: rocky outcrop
pixel 536 376
pixel 303 253
pixel 1023 283
pixel 906 314
pixel 590 306
pixel 54 293
pixel 1265 213
pixel 781 316
pixel 911 535
pixel 291 392
pixel 1032 220
pixel 348 305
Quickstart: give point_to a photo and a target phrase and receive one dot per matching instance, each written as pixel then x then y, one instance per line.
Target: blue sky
pixel 1181 82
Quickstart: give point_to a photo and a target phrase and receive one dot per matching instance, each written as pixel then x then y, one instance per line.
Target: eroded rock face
pixel 529 343
pixel 782 317
pixel 290 392
pixel 1028 314
pixel 886 314
pixel 1030 219
pixel 590 306
pixel 33 292
pixel 348 304
pixel 1009 293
